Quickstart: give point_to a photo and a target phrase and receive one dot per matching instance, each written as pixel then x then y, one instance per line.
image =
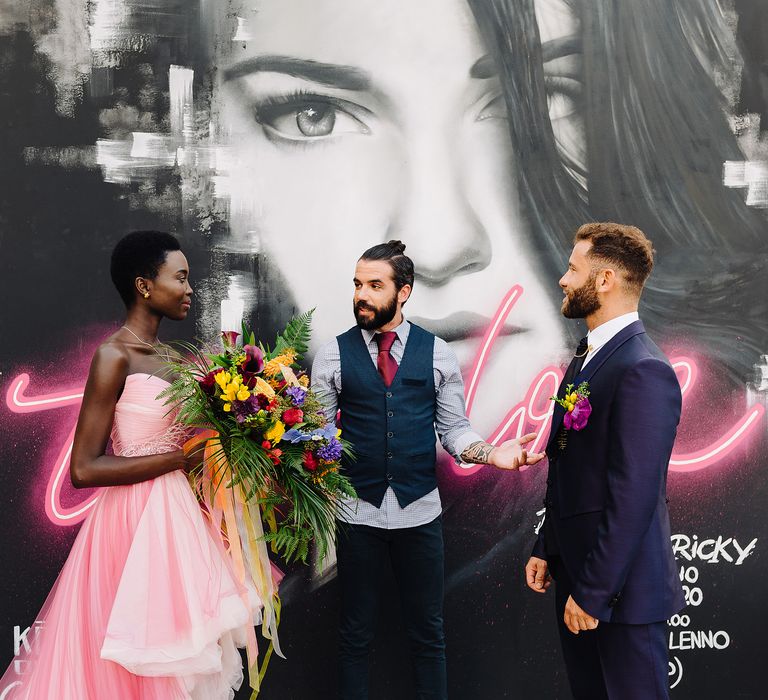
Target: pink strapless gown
pixel 146 606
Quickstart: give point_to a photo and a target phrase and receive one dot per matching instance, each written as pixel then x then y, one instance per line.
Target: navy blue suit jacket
pixel 606 490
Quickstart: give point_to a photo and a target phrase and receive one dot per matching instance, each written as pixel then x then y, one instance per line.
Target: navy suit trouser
pixel 616 661
pixel 417 559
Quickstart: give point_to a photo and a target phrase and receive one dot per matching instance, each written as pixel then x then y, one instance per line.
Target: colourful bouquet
pixel 271 457
pixel 273 439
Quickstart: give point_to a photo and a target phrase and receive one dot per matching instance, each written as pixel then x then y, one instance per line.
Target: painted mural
pixel 279 139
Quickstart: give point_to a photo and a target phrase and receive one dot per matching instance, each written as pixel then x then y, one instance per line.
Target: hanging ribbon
pixel 238 523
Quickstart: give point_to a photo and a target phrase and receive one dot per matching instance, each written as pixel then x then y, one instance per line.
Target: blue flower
pixel 294 435
pixel 328 432
pixel 297 394
pixel 330 452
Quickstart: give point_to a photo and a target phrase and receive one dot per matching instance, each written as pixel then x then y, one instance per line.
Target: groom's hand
pixel 576 619
pixel 512 454
pixel 537 575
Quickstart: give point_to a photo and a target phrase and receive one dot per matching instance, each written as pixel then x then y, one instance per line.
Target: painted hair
pixel 139 254
pixel 658 167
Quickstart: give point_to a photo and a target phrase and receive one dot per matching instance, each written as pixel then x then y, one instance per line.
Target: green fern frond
pixel 296 335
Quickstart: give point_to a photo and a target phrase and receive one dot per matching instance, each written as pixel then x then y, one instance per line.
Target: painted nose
pixel 434 217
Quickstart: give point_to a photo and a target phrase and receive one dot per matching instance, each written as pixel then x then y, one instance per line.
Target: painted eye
pixel 563 96
pixel 316 120
pixel 495 109
pixel 304 120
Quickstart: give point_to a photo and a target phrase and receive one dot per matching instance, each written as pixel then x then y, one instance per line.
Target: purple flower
pixel 330 452
pixel 578 417
pixel 297 394
pixel 243 409
pixel 254 359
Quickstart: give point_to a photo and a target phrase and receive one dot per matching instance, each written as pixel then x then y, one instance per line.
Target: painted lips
pixel 462 324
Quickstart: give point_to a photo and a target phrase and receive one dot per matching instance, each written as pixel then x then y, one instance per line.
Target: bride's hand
pixel 192 461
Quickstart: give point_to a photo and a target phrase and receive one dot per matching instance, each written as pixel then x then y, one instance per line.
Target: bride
pixel 146 606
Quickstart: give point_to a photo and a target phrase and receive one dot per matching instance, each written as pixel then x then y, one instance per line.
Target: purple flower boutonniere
pixel 576 405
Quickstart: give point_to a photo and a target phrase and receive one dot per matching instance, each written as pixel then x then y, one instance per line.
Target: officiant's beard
pixel 582 302
pixel 382 315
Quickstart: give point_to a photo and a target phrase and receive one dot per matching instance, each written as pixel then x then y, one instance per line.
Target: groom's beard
pixel 382 315
pixel 582 302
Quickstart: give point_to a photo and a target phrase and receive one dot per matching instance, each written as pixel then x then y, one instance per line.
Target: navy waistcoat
pixel 392 429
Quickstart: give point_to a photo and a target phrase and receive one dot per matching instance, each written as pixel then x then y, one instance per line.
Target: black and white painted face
pixel 354 122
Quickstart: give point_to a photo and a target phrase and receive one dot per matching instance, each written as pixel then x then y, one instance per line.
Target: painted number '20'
pixel 693 596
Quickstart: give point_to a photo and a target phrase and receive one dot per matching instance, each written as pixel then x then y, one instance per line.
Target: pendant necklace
pixel 143 342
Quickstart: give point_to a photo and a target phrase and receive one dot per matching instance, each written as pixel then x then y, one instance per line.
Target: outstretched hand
pixel 512 454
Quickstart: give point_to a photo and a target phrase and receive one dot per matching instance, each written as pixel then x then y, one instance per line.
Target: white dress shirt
pixel 599 336
pixel 451 421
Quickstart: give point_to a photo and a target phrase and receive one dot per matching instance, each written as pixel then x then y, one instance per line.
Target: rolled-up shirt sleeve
pixel 451 422
pixel 326 378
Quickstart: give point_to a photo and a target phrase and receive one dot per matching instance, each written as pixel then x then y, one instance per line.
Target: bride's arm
pixel 89 465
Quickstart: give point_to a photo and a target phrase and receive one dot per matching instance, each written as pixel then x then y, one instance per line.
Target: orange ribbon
pixel 239 525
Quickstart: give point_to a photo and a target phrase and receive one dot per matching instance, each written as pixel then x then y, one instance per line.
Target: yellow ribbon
pixel 228 508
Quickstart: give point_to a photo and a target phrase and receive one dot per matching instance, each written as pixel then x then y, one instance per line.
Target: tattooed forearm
pixel 477 453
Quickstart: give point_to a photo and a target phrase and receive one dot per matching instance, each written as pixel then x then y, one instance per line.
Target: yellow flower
pixel 227 407
pixel 275 433
pixel 304 381
pixel 272 368
pixel 223 378
pixel 230 393
pixel 243 394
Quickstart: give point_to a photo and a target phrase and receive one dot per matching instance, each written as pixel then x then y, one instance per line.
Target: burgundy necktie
pixel 385 362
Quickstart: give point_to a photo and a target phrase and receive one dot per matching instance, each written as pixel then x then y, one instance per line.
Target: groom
pixel 606 535
pixel 395 383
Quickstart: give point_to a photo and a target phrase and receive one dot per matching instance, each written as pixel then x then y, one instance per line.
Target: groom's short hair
pixel 393 252
pixel 626 247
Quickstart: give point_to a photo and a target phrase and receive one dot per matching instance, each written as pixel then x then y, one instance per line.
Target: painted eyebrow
pixel 561 47
pixel 331 74
pixel 485 66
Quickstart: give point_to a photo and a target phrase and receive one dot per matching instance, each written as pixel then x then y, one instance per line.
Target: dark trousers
pixel 615 661
pixel 416 557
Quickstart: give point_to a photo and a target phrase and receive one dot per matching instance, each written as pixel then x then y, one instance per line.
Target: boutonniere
pixel 576 405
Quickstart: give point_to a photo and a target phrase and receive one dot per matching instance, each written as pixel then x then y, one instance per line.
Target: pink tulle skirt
pixel 145 608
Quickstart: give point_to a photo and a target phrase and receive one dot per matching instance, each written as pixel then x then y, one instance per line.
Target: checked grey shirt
pixel 451 422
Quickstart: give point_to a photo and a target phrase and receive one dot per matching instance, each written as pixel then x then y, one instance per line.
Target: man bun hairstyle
pixel 393 252
pixel 139 254
pixel 626 247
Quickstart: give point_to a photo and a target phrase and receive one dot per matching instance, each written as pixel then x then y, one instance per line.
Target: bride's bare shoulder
pixel 110 357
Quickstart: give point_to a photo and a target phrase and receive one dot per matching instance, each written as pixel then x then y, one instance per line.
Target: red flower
pixel 262 401
pixel 310 461
pixel 274 455
pixel 208 382
pixel 292 416
pixel 249 378
pixel 267 445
